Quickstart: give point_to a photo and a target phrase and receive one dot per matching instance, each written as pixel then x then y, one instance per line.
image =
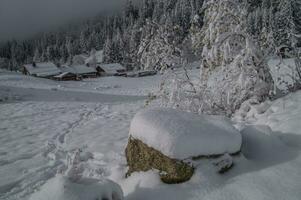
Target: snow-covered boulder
pixel 176 135
pixel 183 135
pixel 62 188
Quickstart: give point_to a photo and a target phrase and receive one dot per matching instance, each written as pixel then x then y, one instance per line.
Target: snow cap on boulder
pixel 182 135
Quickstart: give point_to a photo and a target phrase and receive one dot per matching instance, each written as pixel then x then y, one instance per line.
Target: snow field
pixel 37 135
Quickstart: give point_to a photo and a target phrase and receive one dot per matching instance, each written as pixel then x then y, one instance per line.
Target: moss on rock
pixel 141 157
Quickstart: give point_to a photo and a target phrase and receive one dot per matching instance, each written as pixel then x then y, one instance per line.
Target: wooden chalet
pixel 43 70
pixel 81 71
pixel 113 69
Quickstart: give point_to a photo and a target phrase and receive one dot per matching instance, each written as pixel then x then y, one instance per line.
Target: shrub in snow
pixel 180 91
pixel 232 69
pixel 63 188
pixel 162 136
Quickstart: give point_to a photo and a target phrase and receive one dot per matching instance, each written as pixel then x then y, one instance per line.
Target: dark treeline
pixel 152 34
pixel 275 23
pixel 119 34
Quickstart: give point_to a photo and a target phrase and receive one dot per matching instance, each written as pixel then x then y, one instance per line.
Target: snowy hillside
pixel 38 133
pixel 154 100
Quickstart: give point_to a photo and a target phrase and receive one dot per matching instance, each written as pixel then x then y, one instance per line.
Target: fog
pixel 23 18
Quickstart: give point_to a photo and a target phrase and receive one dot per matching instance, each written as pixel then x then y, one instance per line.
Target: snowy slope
pixel 107 85
pixel 37 122
pixel 37 135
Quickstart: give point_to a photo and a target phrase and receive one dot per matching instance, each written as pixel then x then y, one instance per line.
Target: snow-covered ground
pixel 43 120
pixel 106 85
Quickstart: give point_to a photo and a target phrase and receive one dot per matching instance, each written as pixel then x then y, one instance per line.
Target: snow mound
pixel 260 143
pixel 62 188
pixel 182 135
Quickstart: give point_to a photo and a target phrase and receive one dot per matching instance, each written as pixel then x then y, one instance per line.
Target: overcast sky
pixel 22 18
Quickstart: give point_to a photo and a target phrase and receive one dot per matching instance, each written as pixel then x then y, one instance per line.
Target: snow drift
pixel 62 188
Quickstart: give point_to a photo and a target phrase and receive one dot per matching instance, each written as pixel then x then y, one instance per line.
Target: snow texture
pixel 83 69
pixel 268 167
pixel 62 188
pixel 182 135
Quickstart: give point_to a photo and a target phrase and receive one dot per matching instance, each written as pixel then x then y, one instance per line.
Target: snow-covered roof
pixel 42 69
pixel 112 67
pixel 67 69
pixel 183 135
pixel 78 69
pixel 83 69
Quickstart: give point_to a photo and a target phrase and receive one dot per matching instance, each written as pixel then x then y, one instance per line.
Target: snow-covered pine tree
pixel 50 53
pixel 284 23
pixel 159 49
pixel 37 56
pixel 93 61
pixel 108 51
pixel 64 54
pixel 83 42
pixel 297 21
pixel 134 42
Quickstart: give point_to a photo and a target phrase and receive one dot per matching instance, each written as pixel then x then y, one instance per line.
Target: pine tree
pixel 297 23
pixel 83 42
pixel 93 61
pixel 64 54
pixel 37 56
pixel 108 51
pixel 50 53
pixel 285 24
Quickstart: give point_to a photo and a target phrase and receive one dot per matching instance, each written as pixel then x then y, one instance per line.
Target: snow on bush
pixel 232 69
pixel 180 90
pixel 63 188
pixel 182 135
